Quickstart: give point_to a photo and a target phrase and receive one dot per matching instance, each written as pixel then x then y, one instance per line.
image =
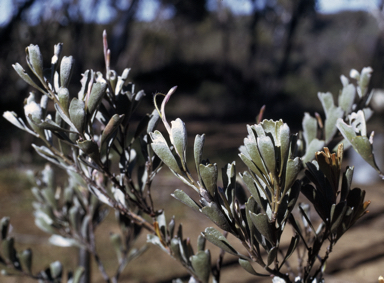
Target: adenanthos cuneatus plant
pixel 89 136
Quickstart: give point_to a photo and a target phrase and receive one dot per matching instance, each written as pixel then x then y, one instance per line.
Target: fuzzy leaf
pixel 272 254
pixel 26 260
pixel 78 274
pixel 35 60
pixel 292 170
pixel 110 128
pixel 97 94
pixel 261 223
pixel 90 148
pixel 56 269
pixel 248 267
pixel 201 263
pixel 77 114
pixel 309 130
pixel 178 137
pixel 314 146
pixel 186 199
pixel 208 175
pixel 213 212
pixel 4 225
pixel 347 97
pixel 160 147
pixel 65 117
pixel 198 150
pixel 360 144
pixel 24 75
pixel 152 124
pixel 63 95
pixel 66 70
pixel 267 151
pixel 332 113
pixel 216 238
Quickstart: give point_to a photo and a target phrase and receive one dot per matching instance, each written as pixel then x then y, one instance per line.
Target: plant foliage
pixel 89 135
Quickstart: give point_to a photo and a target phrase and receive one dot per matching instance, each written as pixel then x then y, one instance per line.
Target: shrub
pixel 90 138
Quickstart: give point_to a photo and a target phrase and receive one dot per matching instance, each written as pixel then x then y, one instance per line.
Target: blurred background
pixel 228 58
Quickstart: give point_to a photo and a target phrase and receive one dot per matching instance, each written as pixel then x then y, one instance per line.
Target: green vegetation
pixel 111 166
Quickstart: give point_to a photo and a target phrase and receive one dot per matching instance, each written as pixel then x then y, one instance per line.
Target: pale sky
pixel 148 8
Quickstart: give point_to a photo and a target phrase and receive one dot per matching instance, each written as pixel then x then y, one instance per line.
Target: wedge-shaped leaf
pixel 309 129
pixel 43 225
pixel 78 275
pixel 56 269
pixel 63 95
pixel 160 147
pixel 213 212
pixel 110 128
pixel 251 166
pixel 347 183
pixel 208 175
pixel 48 124
pixel 248 267
pixel 363 81
pixel 97 94
pixel 272 254
pixel 274 128
pixel 179 138
pixel 156 241
pixel 256 190
pixel 35 60
pixel 102 196
pixel 332 113
pixel 314 146
pixel 25 258
pixel 18 122
pixel 60 241
pixel 49 197
pixel 291 248
pixel 152 124
pixel 85 226
pixel 186 199
pixel 48 154
pixel 267 152
pixel 337 214
pixel 360 144
pixel 216 238
pixel 201 243
pixel 293 168
pixel 262 224
pixel 4 224
pixel 88 77
pixel 198 150
pixel 66 70
pixel 90 148
pixel 24 75
pixel 77 114
pixel 283 137
pixel 175 249
pixel 357 121
pixel 347 97
pixel 201 263
pixel 65 117
pixel 8 249
pixel 254 155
